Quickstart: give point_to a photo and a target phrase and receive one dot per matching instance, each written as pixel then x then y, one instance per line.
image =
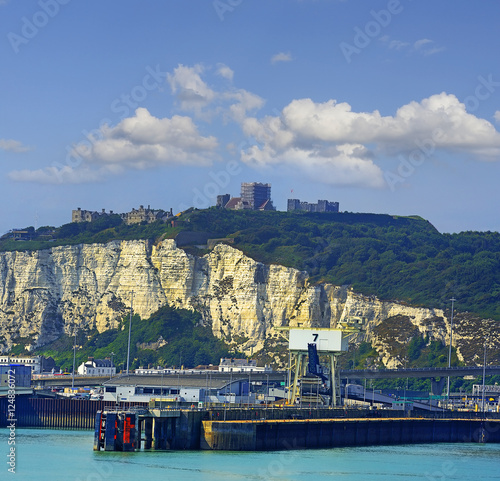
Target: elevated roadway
pixel 46 381
pixel 421 372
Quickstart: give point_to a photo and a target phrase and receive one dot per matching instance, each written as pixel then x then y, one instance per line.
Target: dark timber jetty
pixel 249 430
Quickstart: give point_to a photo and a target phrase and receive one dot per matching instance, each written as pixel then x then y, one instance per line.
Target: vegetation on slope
pixel 188 343
pixel 102 230
pixel 400 258
pixel 420 352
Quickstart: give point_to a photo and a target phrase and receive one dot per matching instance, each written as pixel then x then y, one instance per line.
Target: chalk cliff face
pixel 44 294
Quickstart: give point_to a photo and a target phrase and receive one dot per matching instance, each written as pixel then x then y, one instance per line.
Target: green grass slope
pixel 170 337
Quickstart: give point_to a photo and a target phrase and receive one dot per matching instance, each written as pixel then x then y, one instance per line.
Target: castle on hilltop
pixel 254 196
pixel 320 206
pixel 135 216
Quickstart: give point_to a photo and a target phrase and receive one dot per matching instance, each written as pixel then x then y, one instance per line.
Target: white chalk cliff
pixel 46 293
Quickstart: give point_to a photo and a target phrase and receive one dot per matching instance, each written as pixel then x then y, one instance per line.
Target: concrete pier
pixel 158 429
pixel 192 429
pixel 324 433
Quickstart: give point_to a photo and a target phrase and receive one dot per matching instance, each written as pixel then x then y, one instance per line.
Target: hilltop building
pixel 320 206
pixel 80 215
pixel 254 196
pixel 145 215
pixel 136 216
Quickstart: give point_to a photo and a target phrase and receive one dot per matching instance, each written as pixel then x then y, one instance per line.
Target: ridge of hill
pixel 392 257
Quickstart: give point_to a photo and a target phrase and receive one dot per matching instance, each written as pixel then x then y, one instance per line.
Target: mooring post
pixel 148 432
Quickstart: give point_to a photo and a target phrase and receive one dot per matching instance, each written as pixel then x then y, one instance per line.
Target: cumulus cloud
pixel 343 146
pixel 346 164
pixel 138 142
pixel 224 71
pixel 281 57
pixel 189 88
pixel 13 146
pixel 144 141
pixel 197 96
pixel 242 102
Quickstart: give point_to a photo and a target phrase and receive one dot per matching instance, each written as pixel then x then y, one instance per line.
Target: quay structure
pixel 250 430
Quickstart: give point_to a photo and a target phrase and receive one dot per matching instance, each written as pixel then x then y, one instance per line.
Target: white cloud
pixel 144 141
pixel 420 43
pixel 58 175
pixel 281 57
pixel 346 164
pixel 427 47
pixel 13 146
pixel 138 142
pixel 497 115
pixel 242 102
pixel 224 71
pixel 423 46
pixel 342 146
pixel 189 88
pixel 397 44
pixel 196 95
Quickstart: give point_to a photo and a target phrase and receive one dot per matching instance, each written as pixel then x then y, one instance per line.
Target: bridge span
pixel 420 372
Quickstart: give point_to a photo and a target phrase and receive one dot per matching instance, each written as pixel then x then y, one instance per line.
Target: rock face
pixel 44 294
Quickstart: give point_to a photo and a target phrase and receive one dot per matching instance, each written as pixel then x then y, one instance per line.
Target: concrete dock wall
pixel 299 434
pixel 55 413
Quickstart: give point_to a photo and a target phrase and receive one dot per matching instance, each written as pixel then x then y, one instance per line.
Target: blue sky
pixel 384 106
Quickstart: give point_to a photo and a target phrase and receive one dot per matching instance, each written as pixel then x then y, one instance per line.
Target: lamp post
pixel 129 329
pixel 111 367
pixel 267 391
pixel 449 352
pixel 484 372
pixel 74 356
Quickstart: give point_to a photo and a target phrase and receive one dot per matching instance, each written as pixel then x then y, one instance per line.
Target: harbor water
pixel 58 455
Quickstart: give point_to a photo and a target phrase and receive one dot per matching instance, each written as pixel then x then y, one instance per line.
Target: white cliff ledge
pixel 46 293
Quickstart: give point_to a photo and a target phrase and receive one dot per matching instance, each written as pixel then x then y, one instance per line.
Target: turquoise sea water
pixel 67 455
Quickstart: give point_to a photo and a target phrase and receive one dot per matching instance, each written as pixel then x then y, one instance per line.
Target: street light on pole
pixel 449 352
pixel 111 368
pixel 74 356
pixel 484 371
pixel 129 329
